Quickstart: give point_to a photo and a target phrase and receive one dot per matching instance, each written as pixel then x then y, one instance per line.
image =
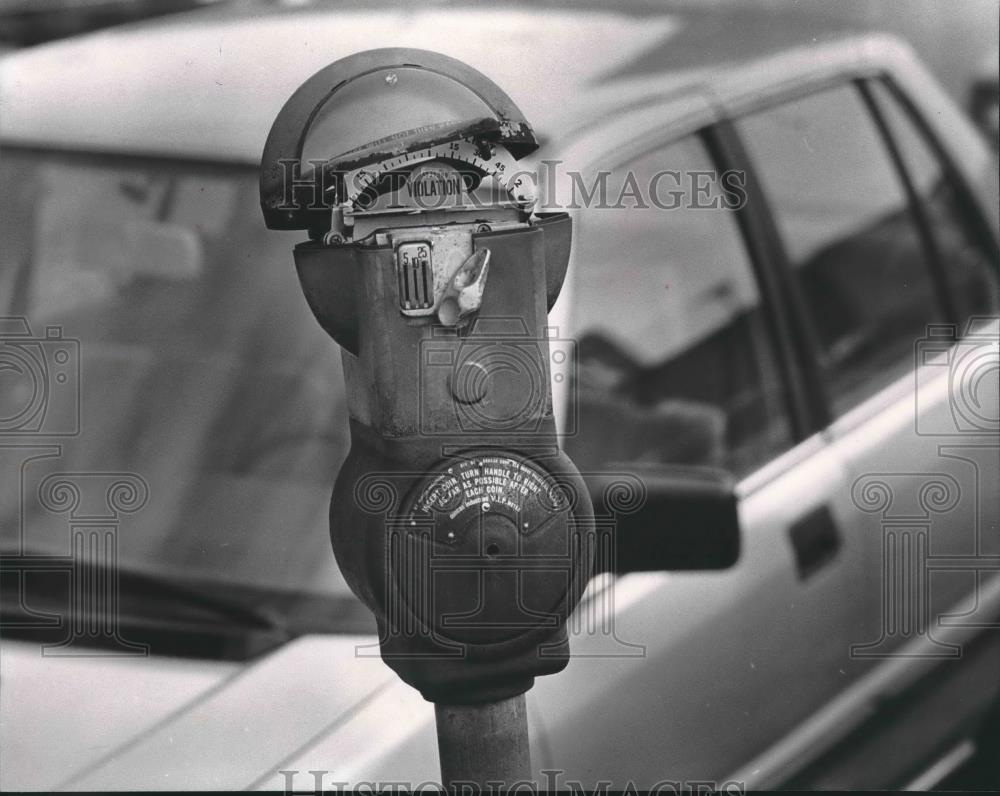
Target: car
pixel 27 23
pixel 784 283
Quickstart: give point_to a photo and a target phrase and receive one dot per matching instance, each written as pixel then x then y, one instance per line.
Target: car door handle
pixel 815 540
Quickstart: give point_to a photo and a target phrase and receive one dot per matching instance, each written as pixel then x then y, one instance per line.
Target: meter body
pixel 455 517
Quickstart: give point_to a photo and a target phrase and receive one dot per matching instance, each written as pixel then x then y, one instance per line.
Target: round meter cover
pixel 360 127
pixel 489 553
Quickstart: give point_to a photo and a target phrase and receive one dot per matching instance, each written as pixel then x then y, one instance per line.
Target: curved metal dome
pixel 377 104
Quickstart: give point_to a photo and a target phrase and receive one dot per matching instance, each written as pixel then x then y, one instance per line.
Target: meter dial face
pixel 473 160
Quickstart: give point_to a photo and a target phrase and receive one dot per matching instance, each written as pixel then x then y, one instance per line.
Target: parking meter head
pixel 455 517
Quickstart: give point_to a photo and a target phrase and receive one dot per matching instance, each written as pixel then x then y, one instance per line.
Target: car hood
pixel 100 722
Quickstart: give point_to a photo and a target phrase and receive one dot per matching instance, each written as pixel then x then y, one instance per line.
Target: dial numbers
pixel 500 165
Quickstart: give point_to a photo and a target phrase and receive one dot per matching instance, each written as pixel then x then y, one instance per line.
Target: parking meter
pixel 455 517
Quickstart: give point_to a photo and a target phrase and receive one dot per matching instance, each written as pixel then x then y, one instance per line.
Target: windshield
pixel 201 374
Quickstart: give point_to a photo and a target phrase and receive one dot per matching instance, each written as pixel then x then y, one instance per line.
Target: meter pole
pixel 483 743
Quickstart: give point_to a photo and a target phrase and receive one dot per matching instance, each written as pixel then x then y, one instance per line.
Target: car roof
pixel 207 85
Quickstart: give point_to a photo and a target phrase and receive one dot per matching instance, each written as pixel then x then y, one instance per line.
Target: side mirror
pixel 689 520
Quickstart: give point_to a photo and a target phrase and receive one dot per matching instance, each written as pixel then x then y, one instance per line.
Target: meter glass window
pixel 200 372
pixel 849 231
pixel 674 362
pixel 385 106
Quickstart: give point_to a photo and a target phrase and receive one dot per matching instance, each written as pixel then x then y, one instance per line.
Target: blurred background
pixel 958 40
pixel 205 375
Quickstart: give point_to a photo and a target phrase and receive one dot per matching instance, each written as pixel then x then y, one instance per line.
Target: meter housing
pixel 455 517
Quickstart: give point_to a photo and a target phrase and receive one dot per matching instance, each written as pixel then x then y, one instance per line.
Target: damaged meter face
pixel 405 139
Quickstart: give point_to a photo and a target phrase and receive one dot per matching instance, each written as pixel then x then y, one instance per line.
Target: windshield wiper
pixel 193 618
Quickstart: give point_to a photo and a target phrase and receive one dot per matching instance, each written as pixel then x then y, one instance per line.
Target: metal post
pixel 483 743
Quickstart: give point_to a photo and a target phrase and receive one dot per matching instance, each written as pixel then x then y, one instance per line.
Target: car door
pixel 680 363
pixel 889 266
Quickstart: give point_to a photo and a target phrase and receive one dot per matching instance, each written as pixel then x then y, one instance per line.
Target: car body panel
pixel 60 714
pixel 171 724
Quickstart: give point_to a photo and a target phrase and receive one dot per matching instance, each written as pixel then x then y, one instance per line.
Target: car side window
pixel 966 262
pixel 858 260
pixel 674 361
